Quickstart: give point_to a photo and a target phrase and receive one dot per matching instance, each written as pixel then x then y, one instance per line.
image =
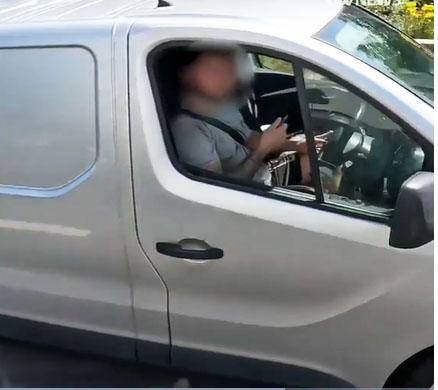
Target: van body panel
pixel 47 151
pixel 63 257
pixel 293 303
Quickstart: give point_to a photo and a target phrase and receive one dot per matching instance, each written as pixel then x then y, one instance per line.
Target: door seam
pixel 131 168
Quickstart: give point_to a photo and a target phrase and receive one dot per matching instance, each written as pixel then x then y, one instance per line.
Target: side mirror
pixel 317 96
pixel 412 223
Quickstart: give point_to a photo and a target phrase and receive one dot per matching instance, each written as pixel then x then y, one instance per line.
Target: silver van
pixel 109 244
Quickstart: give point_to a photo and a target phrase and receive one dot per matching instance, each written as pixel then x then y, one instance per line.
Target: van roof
pixel 303 17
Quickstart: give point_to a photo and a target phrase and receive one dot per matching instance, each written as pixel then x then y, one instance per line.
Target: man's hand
pixel 273 138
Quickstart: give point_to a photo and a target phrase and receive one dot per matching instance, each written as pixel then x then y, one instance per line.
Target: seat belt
pixel 233 133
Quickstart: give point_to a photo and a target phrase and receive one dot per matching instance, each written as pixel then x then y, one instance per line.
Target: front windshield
pixel 383 47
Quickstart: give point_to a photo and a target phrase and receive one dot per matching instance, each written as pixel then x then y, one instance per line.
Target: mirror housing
pixel 317 96
pixel 412 223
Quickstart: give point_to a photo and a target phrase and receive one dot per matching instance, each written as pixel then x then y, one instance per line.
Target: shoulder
pixel 189 132
pixel 186 124
pixel 182 119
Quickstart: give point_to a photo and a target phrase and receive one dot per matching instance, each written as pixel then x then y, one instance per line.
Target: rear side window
pixel 48 126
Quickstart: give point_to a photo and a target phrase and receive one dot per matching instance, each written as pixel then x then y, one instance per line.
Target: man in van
pixel 210 132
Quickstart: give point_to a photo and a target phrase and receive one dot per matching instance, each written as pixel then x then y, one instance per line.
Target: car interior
pixel 367 156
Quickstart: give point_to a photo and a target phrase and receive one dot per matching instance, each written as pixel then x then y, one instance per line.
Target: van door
pixel 279 280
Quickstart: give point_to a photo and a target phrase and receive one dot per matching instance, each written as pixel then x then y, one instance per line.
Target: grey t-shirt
pixel 199 143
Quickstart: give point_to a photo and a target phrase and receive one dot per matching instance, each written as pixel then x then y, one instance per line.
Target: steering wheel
pixel 360 113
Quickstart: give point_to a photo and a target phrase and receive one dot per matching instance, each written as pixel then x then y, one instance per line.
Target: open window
pixel 275 92
pixel 359 170
pixel 270 95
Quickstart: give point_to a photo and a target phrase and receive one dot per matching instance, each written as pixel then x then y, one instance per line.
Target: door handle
pixel 190 248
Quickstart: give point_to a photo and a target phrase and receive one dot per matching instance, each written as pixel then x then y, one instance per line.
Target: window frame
pixel 278 193
pixel 70 182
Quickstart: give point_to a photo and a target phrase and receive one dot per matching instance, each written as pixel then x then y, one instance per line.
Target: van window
pixel 47 115
pixel 272 63
pixel 362 154
pixel 260 98
pixel 368 156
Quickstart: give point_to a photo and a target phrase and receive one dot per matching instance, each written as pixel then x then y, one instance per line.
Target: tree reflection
pixel 384 48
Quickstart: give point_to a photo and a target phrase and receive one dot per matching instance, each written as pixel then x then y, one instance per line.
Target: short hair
pixel 243 65
pixel 189 56
pixel 235 52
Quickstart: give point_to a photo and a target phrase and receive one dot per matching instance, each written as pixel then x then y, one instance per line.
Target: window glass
pixel 367 156
pixel 276 64
pixel 380 45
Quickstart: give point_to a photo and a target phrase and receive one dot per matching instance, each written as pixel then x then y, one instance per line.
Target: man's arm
pixel 253 141
pixel 246 170
pixel 196 147
pixel 267 142
pixel 270 140
pixel 250 166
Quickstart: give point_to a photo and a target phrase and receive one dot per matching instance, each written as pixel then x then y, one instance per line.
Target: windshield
pixel 383 47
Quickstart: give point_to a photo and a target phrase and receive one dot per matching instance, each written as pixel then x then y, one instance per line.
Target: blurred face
pixel 212 75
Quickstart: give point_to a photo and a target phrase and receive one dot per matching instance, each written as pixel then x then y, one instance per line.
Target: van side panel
pixel 63 259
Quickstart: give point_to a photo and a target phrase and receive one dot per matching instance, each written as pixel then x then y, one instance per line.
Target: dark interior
pixel 276 95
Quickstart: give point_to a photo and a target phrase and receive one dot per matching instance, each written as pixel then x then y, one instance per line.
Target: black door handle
pixel 189 249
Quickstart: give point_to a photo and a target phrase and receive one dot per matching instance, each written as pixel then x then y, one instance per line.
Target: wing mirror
pixel 412 223
pixel 317 96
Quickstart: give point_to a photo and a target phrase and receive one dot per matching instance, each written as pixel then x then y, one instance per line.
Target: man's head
pixel 212 73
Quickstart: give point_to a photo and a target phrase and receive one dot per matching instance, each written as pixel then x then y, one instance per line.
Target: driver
pixel 208 100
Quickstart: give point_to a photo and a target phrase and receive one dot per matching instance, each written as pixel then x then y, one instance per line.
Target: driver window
pixel 234 122
pixel 367 156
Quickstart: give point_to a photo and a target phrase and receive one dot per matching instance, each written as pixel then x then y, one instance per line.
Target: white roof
pixel 302 16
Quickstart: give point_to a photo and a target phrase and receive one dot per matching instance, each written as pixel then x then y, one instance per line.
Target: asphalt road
pixel 23 365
